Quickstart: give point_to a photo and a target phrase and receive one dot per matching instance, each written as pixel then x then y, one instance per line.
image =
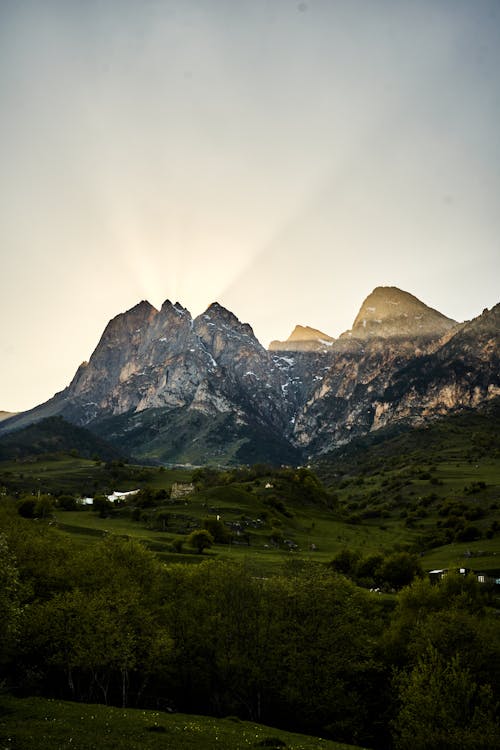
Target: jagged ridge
pixel 170 387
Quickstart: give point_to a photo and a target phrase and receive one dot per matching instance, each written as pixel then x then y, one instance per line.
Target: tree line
pixel 305 649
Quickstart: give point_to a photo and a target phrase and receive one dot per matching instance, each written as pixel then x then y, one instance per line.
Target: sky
pixel 282 158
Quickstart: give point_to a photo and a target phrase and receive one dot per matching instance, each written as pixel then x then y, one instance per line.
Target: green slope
pixel 54 435
pixel 41 724
pixel 189 436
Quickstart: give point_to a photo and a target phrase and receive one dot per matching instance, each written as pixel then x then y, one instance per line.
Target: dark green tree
pixel 399 569
pixel 443 708
pixel 345 562
pixel 200 539
pixel 9 599
pixel 217 529
pixel 102 506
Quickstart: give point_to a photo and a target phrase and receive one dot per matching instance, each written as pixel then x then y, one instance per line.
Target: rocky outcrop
pixel 463 372
pixel 164 386
pixel 391 329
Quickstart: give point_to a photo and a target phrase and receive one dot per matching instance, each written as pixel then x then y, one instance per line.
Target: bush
pixel 67 502
pixel 468 534
pixel 200 539
pixel 178 544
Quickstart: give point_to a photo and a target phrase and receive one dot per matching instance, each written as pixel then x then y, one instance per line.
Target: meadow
pixel 45 724
pixel 445 509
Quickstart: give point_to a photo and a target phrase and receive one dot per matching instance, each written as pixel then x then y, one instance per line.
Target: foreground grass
pixel 41 724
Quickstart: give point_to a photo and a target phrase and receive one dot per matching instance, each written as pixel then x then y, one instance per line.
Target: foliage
pixel 253 630
pixel 67 502
pixel 217 530
pixel 443 708
pixel 200 539
pixel 393 571
pixel 9 599
pixel 293 648
pixel 51 436
pixel 304 648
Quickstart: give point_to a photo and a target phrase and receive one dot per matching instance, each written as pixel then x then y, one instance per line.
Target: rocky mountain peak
pixel 122 326
pixel 176 308
pixel 167 386
pixel 305 339
pixel 390 312
pixel 217 327
pixel 220 315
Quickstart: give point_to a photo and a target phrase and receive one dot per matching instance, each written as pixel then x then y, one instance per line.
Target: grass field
pixel 42 724
pixel 66 473
pixel 395 506
pixel 434 491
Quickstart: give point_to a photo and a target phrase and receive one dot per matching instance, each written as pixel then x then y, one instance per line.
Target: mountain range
pixel 163 386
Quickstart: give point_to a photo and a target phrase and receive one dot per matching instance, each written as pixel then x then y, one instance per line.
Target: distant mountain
pixel 389 312
pixel 303 339
pixel 7 415
pixel 164 386
pixel 54 435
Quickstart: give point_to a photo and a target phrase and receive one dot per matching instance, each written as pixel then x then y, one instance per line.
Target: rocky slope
pixel 170 387
pixel 389 312
pixel 345 397
pixel 166 387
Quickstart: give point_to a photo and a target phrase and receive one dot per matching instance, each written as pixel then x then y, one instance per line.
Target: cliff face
pixel 149 359
pixel 463 372
pixel 376 381
pixel 346 395
pixel 165 386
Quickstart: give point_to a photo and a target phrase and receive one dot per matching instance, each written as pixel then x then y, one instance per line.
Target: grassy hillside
pixel 434 491
pixel 41 724
pixel 440 482
pixel 62 473
pixel 53 435
pixel 186 436
pixel 467 436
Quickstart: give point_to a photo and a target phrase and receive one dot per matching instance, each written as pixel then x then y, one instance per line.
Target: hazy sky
pixel 280 157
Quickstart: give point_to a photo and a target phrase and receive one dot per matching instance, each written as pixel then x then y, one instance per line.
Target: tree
pixel 327 672
pixel 44 506
pixel 345 562
pixel 67 502
pixel 421 602
pixel 216 528
pixel 102 506
pixel 399 569
pixel 368 569
pixel 9 598
pixel 442 708
pixel 26 507
pixel 200 539
pixel 97 639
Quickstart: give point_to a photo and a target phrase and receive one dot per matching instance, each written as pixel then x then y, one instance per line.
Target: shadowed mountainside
pixel 166 387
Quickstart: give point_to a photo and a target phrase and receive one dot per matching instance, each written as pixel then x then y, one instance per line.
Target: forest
pixel 303 648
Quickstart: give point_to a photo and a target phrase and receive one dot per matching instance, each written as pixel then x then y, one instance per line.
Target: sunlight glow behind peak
pixel 279 162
